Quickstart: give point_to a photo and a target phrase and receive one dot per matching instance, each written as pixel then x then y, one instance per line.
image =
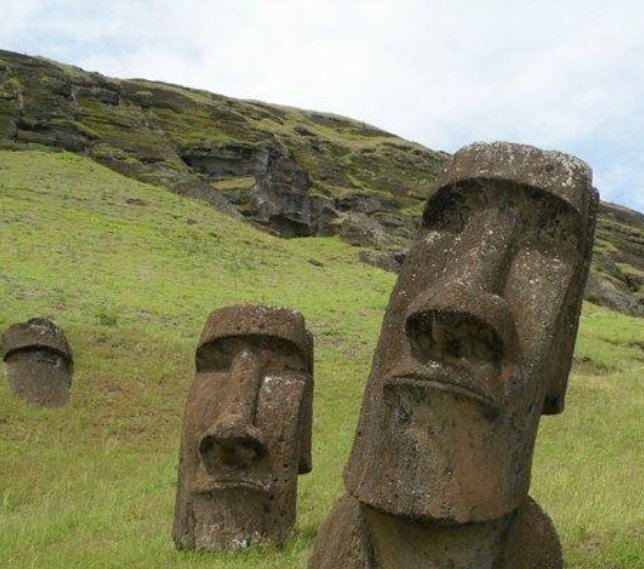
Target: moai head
pixel 38 362
pixel 246 429
pixel 478 336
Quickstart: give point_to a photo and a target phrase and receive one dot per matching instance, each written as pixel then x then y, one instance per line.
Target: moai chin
pixel 476 344
pixel 38 362
pixel 246 430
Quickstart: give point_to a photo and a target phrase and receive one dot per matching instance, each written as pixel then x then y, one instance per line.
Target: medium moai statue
pixel 246 430
pixel 38 362
pixel 475 346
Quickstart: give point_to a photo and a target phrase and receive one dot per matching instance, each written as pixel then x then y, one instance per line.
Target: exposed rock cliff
pixel 296 172
pixel 291 171
pixel 617 272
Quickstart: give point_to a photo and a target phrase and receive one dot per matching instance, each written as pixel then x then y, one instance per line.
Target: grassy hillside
pixel 162 133
pixel 292 171
pixel 131 271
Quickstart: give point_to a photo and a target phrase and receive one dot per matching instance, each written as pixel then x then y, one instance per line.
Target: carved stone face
pixel 478 336
pixel 38 362
pixel 246 430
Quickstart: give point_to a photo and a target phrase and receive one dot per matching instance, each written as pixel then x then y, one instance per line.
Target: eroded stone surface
pixel 38 362
pixel 475 345
pixel 246 430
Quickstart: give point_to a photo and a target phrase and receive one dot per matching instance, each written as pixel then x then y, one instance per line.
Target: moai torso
pixel 476 344
pixel 354 537
pixel 246 430
pixel 38 362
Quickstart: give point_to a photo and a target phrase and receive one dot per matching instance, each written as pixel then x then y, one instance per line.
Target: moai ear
pixel 554 400
pixel 306 415
pixel 562 355
pixel 561 359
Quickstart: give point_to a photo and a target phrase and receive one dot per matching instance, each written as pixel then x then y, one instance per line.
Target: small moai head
pixel 246 429
pixel 38 362
pixel 478 336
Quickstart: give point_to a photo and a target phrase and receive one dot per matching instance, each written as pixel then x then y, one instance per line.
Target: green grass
pixel 131 272
pixel 236 183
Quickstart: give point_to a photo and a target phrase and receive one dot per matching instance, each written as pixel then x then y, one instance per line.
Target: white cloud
pixel 567 75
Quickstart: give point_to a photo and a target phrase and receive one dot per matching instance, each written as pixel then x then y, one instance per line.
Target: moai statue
pixel 246 430
pixel 476 344
pixel 38 362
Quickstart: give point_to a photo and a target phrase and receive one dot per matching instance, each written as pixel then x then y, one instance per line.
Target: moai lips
pixel 246 431
pixel 38 362
pixel 475 345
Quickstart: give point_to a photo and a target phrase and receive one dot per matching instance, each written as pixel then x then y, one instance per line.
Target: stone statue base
pixel 356 536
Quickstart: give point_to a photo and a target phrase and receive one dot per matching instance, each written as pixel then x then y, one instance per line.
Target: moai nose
pixel 234 440
pixel 488 250
pixel 475 333
pixel 243 388
pixel 452 335
pixel 231 444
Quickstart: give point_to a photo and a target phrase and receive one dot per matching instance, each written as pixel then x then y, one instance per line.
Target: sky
pixel 563 75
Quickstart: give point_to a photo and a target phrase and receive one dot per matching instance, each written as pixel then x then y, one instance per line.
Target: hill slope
pixel 282 167
pixel 291 171
pixel 130 271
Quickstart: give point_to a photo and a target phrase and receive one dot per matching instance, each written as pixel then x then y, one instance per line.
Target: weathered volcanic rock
pixel 246 430
pixel 475 346
pixel 38 362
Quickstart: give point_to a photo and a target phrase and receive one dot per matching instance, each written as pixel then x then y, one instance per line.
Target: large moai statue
pixel 476 344
pixel 246 430
pixel 38 362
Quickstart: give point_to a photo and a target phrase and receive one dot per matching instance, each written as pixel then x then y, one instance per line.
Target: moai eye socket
pixel 215 356
pixel 447 211
pixel 278 355
pixel 557 224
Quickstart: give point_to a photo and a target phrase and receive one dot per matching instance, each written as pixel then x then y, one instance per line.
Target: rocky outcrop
pixel 282 197
pixel 220 161
pixel 291 171
pixel 265 183
pixel 617 272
